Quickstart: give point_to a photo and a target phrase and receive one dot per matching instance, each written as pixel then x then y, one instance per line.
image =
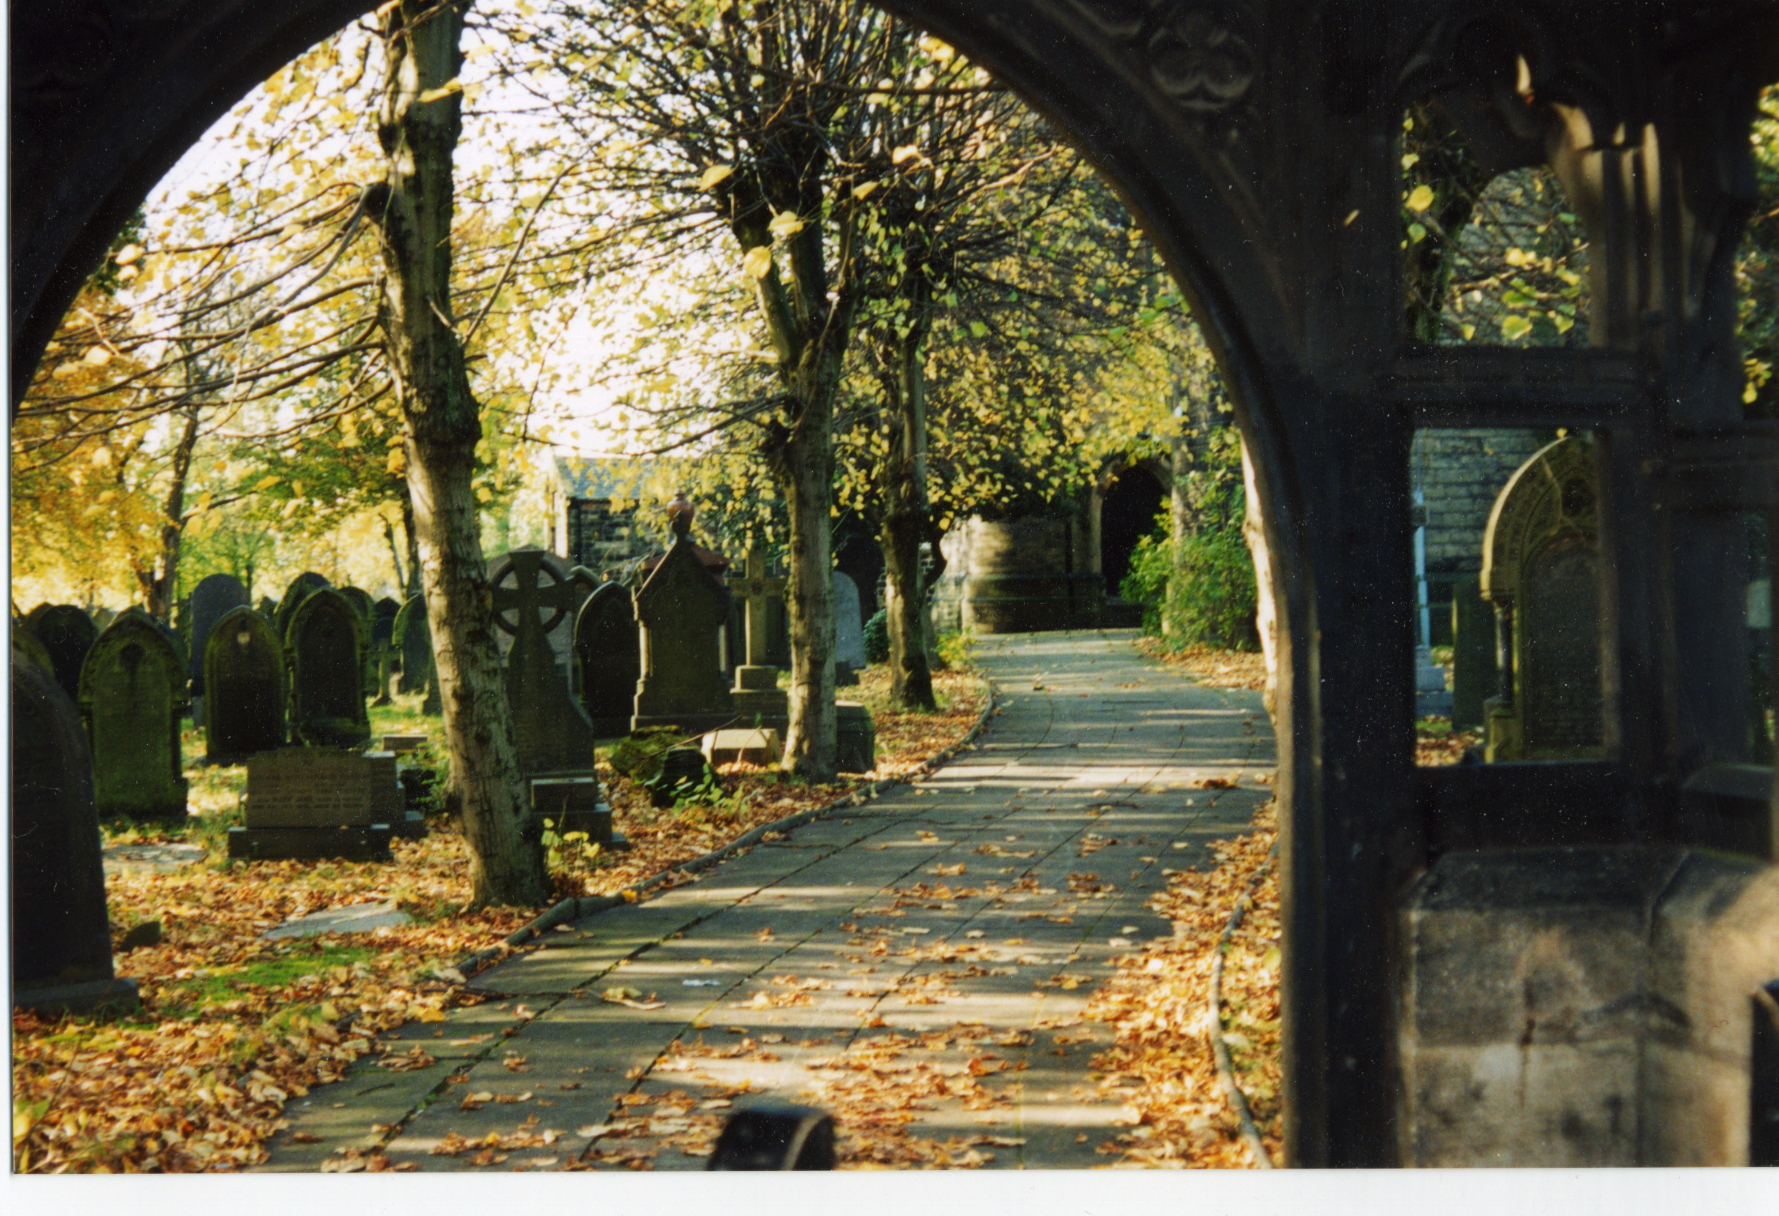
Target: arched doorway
pixel 1260 149
pixel 1128 511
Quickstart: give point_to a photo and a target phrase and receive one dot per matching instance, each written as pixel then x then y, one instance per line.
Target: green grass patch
pixel 223 984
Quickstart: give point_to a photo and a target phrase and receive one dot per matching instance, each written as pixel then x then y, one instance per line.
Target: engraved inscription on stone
pixel 315 788
pixel 1560 611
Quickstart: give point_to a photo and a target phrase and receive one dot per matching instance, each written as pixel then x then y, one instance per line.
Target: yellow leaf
pixel 1420 198
pixel 938 50
pixel 98 356
pixel 864 192
pixel 906 152
pixel 785 225
pixel 128 254
pixel 714 175
pixel 484 494
pixel 431 1015
pixel 101 456
pixel 758 262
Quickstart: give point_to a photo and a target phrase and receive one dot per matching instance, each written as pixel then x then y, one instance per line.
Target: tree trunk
pixel 441 427
pixel 905 526
pixel 805 466
pixel 161 588
pixel 1266 619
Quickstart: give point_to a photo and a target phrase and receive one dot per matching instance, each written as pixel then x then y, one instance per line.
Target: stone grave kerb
pixel 1546 515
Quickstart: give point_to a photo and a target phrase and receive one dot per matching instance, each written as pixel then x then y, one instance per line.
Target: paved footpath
pixel 969 915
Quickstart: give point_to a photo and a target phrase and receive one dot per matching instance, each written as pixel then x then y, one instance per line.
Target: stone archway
pixel 1257 143
pixel 1129 501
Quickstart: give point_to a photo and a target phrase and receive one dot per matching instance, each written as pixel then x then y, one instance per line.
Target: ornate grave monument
pixel 132 695
pixel 559 636
pixel 324 645
pixel 244 670
pixel 682 608
pixel 609 649
pixel 61 938
pixel 67 634
pixel 1541 571
pixel 532 598
pixel 756 697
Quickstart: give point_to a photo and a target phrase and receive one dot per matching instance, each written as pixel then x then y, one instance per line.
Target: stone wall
pixel 1019 575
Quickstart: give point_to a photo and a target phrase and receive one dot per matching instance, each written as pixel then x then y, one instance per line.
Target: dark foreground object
pixel 775 1137
pixel 311 844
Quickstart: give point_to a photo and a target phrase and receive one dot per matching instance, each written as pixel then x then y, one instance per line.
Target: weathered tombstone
pixel 856 738
pixel 295 594
pixel 609 650
pixel 585 583
pixel 549 726
pixel 244 671
pixel 25 644
pixel 681 610
pixel 1541 571
pixel 210 599
pixel 132 695
pixel 413 638
pixel 756 697
pixel 318 802
pixel 324 645
pixel 67 634
pixel 559 636
pixel 61 938
pixel 268 608
pixel 849 632
pixel 1473 654
pixel 382 656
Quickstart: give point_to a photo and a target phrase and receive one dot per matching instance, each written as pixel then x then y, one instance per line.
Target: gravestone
pixel 317 802
pixel 102 618
pixel 1474 678
pixel 382 657
pixel 855 738
pixel 681 610
pixel 67 635
pixel 26 645
pixel 531 598
pixel 244 670
pixel 295 594
pixel 756 697
pixel 268 608
pixel 413 639
pixel 849 632
pixel 210 599
pixel 324 646
pixel 560 635
pixel 1541 571
pixel 585 583
pixel 132 695
pixel 609 650
pixel 61 938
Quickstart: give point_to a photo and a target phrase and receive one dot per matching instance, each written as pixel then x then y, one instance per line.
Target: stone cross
pixel 551 729
pixel 757 590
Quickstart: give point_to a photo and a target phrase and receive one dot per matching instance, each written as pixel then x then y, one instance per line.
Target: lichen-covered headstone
pixel 67 633
pixel 682 610
pixel 132 695
pixel 210 599
pixel 532 597
pixel 244 671
pixel 61 938
pixel 1541 571
pixel 324 645
pixel 610 654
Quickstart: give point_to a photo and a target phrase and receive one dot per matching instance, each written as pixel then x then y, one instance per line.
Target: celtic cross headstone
pixel 531 598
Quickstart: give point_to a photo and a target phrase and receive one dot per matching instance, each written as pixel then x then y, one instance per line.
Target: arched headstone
pixel 609 651
pixel 300 588
pixel 244 671
pixel 67 633
pixel 413 639
pixel 532 598
pixel 849 632
pixel 61 938
pixel 210 599
pixel 132 695
pixel 682 609
pixel 325 644
pixel 1541 571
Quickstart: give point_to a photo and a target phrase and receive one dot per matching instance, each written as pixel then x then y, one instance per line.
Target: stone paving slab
pixel 980 907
